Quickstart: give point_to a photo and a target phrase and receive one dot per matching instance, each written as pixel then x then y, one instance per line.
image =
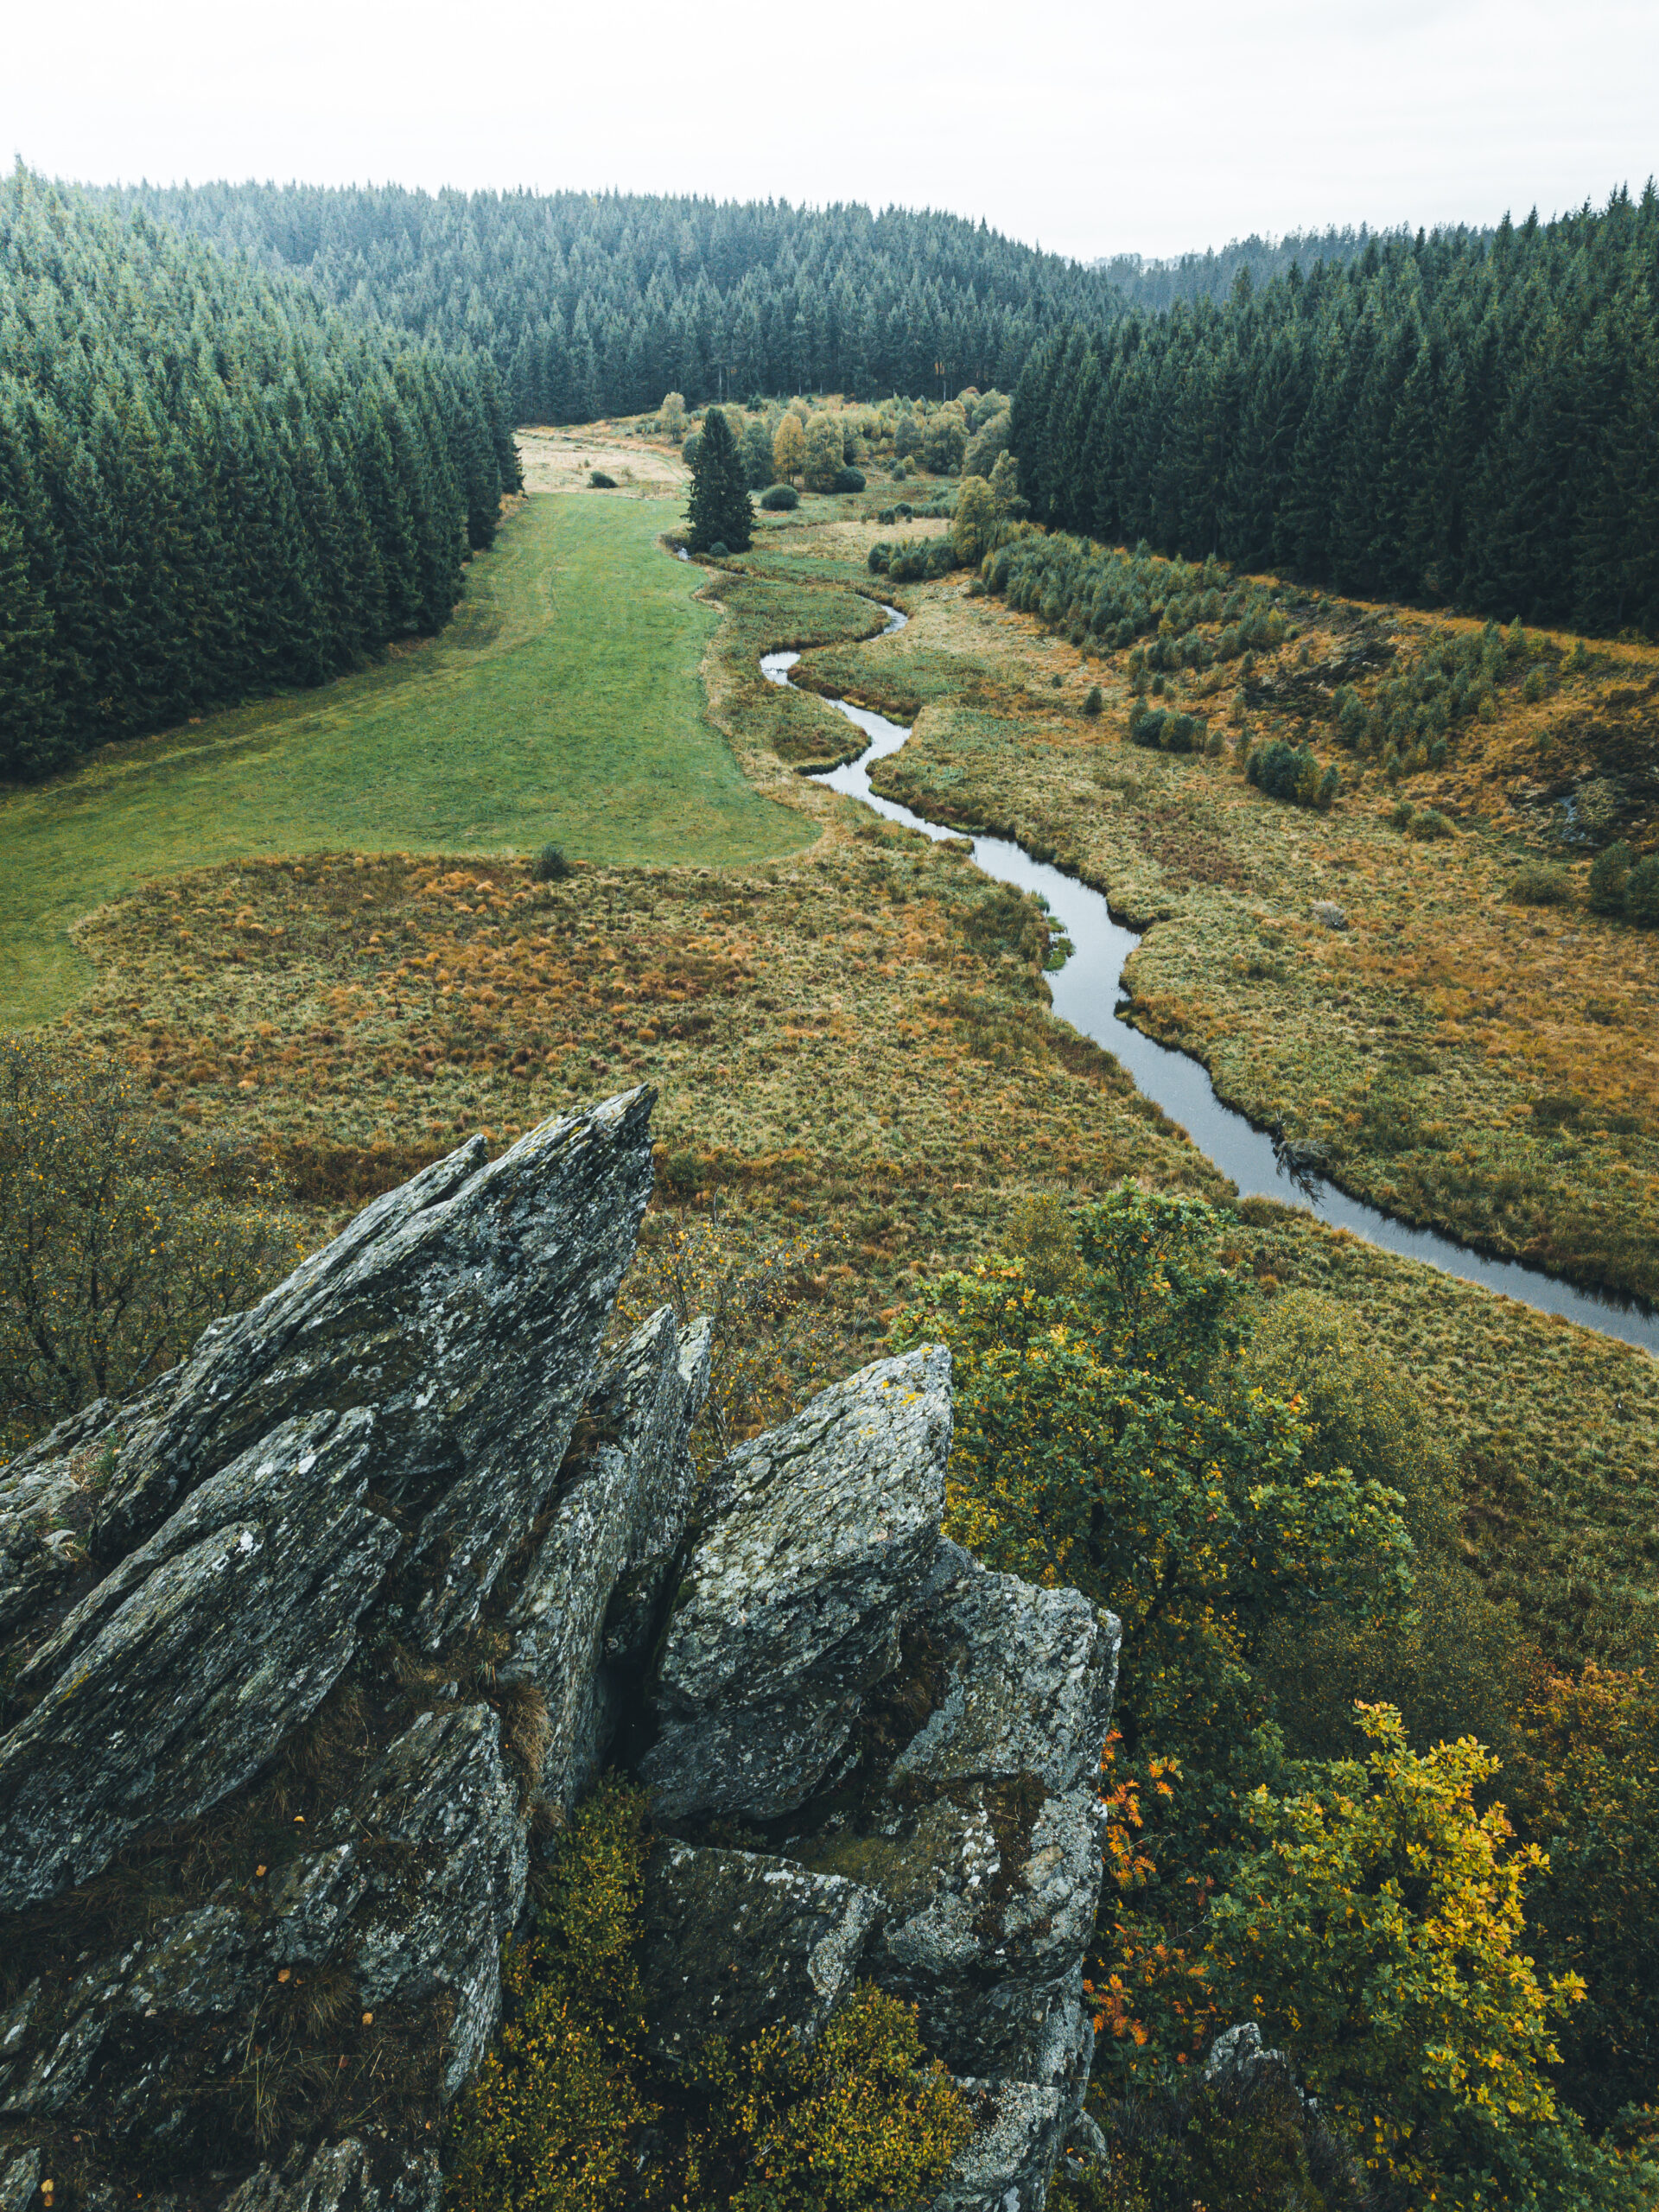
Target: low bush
pixel 1292 773
pixel 1093 699
pixel 718 552
pixel 913 560
pixel 1542 884
pixel 849 480
pixel 601 481
pixel 549 865
pixel 1641 894
pixel 1428 825
pixel 1610 875
pixel 778 499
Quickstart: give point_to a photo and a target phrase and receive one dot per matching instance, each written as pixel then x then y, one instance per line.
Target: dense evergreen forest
pixel 1154 284
pixel 1440 418
pixel 596 305
pixel 211 483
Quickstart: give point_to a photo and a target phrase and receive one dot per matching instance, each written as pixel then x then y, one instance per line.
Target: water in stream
pixel 1087 991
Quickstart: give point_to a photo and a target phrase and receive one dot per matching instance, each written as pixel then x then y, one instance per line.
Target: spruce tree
pixel 719 511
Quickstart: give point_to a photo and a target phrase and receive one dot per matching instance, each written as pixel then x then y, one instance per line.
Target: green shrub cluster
pixel 1292 772
pixel 1542 884
pixel 913 560
pixel 1623 886
pixel 1108 599
pixel 780 498
pixel 1414 712
pixel 1165 730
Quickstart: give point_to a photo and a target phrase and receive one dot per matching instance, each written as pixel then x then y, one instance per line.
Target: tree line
pixel 212 483
pixel 1450 418
pixel 596 304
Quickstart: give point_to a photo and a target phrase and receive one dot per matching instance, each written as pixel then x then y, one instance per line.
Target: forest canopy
pixel 1440 418
pixel 211 483
pixel 596 304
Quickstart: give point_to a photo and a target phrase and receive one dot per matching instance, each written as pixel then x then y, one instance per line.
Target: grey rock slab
pixel 812 1542
pixel 624 1508
pixel 1030 1677
pixel 418 1881
pixel 1006 2165
pixel 1326 911
pixel 341 2177
pixel 988 1898
pixel 19 2177
pixel 735 1941
pixel 174 1681
pixel 466 1308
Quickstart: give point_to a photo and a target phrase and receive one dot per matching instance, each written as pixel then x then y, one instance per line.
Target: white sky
pixel 1092 129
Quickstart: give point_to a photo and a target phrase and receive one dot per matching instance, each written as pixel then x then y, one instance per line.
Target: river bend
pixel 1089 993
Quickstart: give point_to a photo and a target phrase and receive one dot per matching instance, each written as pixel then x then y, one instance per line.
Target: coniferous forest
pixel 595 305
pixel 1442 418
pixel 211 483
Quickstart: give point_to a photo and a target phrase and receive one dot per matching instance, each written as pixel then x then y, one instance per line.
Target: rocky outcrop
pixel 936 1764
pixel 735 1941
pixel 307 1644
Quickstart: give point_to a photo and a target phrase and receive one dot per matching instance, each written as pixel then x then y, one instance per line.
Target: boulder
pixel 810 1549
pixel 1006 2165
pixel 341 2177
pixel 1329 914
pixel 735 1941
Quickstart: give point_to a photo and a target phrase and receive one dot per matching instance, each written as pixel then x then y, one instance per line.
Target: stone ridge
pixel 382 1574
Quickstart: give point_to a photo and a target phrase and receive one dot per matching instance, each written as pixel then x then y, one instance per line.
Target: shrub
pixel 1290 772
pixel 1609 874
pixel 1428 825
pixel 780 497
pixel 601 481
pixel 547 2120
pixel 1093 699
pixel 1641 894
pixel 718 552
pixel 860 2120
pixel 691 448
pixel 118 1243
pixel 549 865
pixel 1542 884
pixel 849 480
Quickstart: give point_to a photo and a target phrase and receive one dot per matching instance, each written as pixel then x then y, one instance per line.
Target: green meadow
pixel 562 704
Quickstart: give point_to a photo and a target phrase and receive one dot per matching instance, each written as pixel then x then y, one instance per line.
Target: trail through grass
pixel 564 703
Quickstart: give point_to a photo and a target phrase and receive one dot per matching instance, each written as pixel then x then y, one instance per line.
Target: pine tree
pixel 719 511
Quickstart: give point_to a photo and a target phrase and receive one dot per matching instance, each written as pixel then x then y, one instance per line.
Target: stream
pixel 1089 993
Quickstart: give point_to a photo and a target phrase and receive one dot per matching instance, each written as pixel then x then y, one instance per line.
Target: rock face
pixel 814 1539
pixel 304 1646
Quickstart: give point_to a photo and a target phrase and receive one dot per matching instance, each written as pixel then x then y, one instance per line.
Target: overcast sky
pixel 1093 128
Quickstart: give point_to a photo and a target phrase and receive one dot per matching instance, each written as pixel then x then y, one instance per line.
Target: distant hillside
pixel 210 484
pixel 1153 285
pixel 598 304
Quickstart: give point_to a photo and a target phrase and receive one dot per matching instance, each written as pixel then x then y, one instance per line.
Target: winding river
pixel 1089 993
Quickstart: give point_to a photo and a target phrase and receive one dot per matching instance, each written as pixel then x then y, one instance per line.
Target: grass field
pixel 564 703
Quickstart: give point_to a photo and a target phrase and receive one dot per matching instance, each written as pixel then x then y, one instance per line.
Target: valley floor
pixel 859 1078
